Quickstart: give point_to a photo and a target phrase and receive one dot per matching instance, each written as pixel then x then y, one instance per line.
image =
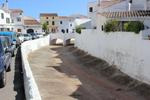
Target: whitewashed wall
pixel 3 23
pixel 128 51
pixel 67 23
pixel 92 15
pixel 36 28
pixel 31 89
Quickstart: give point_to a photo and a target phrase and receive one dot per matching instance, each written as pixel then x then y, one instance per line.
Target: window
pixel 18 30
pixel 1 29
pixel 12 21
pixel 91 9
pixel 47 22
pixel 18 19
pixel 61 22
pixel 67 31
pixel 63 31
pixel 70 24
pixel 102 27
pixel 8 29
pixel 46 17
pixel 7 20
pixel 20 13
pixel 53 17
pixel 2 15
pixel 53 23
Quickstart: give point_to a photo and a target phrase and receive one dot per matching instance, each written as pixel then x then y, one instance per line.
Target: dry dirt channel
pixel 60 75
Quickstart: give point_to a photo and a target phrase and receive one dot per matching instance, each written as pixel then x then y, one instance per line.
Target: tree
pixel 45 28
pixel 79 28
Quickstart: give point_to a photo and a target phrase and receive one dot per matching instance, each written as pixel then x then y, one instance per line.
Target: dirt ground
pixel 65 73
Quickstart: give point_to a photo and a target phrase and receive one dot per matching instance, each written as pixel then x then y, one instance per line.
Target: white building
pixel 17 22
pixel 92 12
pixel 31 25
pixel 24 24
pixel 14 20
pixel 81 20
pixel 5 21
pixel 121 10
pixel 66 24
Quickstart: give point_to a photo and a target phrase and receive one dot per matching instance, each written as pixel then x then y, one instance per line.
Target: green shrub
pixel 111 26
pixel 133 26
pixel 79 28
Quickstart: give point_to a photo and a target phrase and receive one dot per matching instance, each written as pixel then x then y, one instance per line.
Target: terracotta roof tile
pixel 126 14
pixel 105 4
pixel 48 14
pixel 31 22
pixel 16 10
pixel 65 17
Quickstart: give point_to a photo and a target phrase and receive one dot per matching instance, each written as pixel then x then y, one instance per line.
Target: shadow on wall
pixel 18 77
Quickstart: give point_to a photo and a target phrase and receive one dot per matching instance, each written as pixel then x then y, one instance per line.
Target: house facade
pixel 66 24
pixel 5 20
pixel 31 25
pixel 17 21
pixel 121 10
pixel 14 20
pixel 51 19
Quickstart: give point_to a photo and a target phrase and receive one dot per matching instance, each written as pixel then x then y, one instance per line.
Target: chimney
pixel 130 3
pixel 99 2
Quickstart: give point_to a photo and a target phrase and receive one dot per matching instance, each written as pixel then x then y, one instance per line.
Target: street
pixel 60 75
pixel 14 89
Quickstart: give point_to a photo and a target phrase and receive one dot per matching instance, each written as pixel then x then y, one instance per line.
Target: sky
pixel 62 7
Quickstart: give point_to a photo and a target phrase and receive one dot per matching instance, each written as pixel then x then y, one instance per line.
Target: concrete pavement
pixel 61 76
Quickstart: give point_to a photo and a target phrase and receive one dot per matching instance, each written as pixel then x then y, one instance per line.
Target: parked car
pixel 20 38
pixel 27 37
pixel 12 38
pixel 5 59
pixel 9 45
pixel 34 36
pixel 39 35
